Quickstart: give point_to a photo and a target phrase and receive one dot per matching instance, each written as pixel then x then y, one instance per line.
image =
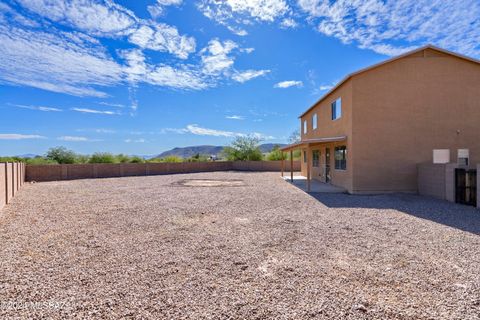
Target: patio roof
pixel 307 142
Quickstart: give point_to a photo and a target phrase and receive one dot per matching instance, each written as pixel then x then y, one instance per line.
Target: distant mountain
pixel 28 155
pixel 267 147
pixel 187 152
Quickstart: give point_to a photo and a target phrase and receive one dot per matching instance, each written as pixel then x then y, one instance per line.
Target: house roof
pixel 429 46
pixel 312 141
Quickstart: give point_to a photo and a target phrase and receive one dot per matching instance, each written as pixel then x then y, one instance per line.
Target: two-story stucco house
pixel 369 133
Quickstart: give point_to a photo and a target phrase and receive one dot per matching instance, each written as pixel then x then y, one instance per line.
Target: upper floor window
pixel 314 121
pixel 337 109
pixel 304 126
pixel 341 158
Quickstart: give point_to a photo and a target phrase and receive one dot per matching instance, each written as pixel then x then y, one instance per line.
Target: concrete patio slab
pixel 315 186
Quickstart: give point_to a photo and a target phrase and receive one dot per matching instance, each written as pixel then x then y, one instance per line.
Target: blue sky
pixel 141 77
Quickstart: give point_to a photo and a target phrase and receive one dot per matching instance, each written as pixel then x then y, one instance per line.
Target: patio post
pixel 291 166
pixel 283 164
pixel 308 169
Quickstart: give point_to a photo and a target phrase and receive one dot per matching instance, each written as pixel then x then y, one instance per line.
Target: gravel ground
pixel 162 248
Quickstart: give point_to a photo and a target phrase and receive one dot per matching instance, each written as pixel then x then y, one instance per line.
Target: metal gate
pixel 466 186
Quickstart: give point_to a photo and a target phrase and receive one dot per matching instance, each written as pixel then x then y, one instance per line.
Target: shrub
pixel 242 149
pixel 81 159
pixel 40 160
pixel 276 154
pixel 198 158
pixel 136 159
pixel 172 159
pixel 61 155
pixel 102 157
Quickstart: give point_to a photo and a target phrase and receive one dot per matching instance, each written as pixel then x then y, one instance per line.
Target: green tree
pixel 243 148
pixel 295 136
pixel 276 154
pixel 102 157
pixel 61 155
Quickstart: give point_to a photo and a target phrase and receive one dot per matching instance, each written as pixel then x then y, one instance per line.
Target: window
pixel 341 158
pixel 315 158
pixel 337 109
pixel 462 157
pixel 304 126
pixel 304 156
pixel 314 121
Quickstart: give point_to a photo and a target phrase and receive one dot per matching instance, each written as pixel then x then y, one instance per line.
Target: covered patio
pixel 309 184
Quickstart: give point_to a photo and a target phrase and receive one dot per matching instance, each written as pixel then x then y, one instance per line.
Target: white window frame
pixel 336 105
pixel 305 129
pixel 314 121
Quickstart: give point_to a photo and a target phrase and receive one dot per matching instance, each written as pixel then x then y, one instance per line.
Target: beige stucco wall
pixel 331 128
pixel 405 109
pixel 11 180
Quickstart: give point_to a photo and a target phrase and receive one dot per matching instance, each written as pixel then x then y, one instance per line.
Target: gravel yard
pixel 231 245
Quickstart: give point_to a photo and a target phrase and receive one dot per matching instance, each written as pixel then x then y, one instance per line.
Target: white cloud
pixel 158 9
pixel 201 131
pixel 87 110
pixel 235 117
pixel 288 84
pixel 73 138
pixel 53 62
pixel 162 37
pixel 195 129
pixel 110 104
pixel 394 26
pixel 141 140
pixel 98 17
pixel 38 108
pixel 18 136
pixel 215 57
pixel 288 23
pixel 181 77
pixel 107 19
pixel 326 87
pixel 263 10
pixel 98 130
pixel 76 63
pixel 247 75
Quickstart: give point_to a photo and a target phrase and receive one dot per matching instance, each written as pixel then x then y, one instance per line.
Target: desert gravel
pixel 174 247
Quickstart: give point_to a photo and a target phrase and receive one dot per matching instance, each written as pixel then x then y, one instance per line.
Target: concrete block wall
pixel 12 178
pixel 431 180
pixel 41 173
pixel 437 180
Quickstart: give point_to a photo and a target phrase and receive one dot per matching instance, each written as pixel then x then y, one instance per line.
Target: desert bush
pixel 136 159
pixel 40 160
pixel 198 158
pixel 172 159
pixel 102 157
pixel 242 149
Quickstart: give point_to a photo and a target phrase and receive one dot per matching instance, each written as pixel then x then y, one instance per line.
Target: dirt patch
pixel 210 183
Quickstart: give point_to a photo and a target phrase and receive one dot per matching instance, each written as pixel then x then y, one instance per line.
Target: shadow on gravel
pixel 458 216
